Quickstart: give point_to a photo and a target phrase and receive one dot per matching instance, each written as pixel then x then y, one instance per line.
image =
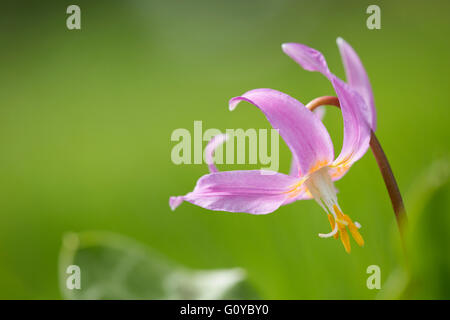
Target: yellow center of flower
pixel 343 223
pixel 321 187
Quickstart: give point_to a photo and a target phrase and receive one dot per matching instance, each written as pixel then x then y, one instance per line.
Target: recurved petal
pixel 310 59
pixel 320 112
pixel 357 78
pixel 354 109
pixel 213 144
pixel 356 129
pixel 302 131
pixel 294 171
pixel 248 191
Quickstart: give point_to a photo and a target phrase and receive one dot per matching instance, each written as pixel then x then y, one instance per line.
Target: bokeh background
pixel 86 118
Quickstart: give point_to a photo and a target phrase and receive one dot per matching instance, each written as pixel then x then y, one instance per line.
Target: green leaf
pixel 115 267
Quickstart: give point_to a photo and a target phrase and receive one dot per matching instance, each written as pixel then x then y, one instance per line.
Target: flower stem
pixel 383 164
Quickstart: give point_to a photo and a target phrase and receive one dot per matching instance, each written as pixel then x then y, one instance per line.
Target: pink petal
pixel 241 191
pixel 354 109
pixel 310 59
pixel 213 144
pixel 319 112
pixel 357 78
pixel 294 171
pixel 303 194
pixel 356 129
pixel 302 131
pixel 338 172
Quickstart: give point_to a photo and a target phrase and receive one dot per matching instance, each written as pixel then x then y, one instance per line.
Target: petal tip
pixel 286 47
pixel 232 104
pixel 174 202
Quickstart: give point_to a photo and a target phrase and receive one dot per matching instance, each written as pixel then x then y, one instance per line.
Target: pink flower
pixel 314 166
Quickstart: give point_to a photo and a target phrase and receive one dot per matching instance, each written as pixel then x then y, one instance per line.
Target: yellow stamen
pixel 332 223
pixel 345 239
pixel 354 231
pixel 343 221
pixel 338 212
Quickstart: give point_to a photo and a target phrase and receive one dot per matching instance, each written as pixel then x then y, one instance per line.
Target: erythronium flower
pixel 314 167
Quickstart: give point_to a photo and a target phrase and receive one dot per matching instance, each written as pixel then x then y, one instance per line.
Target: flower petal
pixel 302 131
pixel 338 172
pixel 249 191
pixel 356 129
pixel 320 112
pixel 354 109
pixel 303 194
pixel 294 171
pixel 213 144
pixel 357 78
pixel 310 59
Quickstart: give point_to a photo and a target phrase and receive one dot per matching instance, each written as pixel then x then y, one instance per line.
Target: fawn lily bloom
pixel 314 168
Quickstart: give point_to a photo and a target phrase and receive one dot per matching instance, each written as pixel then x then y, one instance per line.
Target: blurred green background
pixel 86 118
